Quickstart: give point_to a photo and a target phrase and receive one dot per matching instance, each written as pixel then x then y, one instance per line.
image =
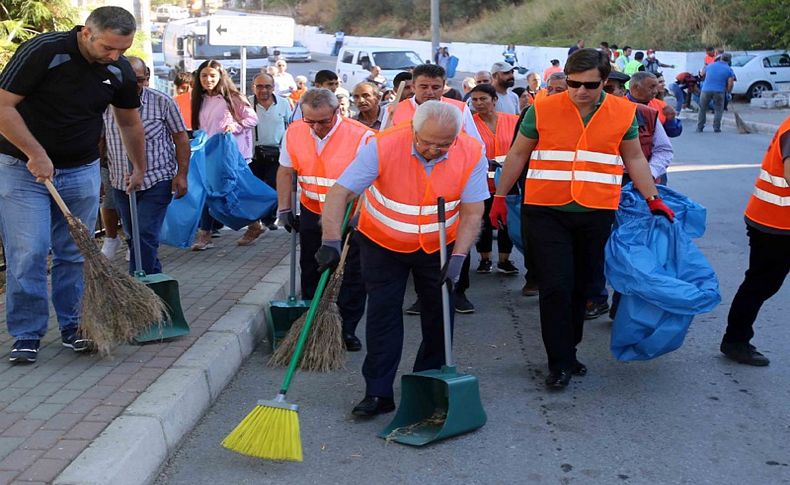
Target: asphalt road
pixel 688 417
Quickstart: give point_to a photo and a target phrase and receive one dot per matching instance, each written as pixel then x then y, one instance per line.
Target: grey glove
pixel 451 271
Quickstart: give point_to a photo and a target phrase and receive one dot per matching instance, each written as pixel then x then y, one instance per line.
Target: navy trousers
pixel 386 274
pixel 351 300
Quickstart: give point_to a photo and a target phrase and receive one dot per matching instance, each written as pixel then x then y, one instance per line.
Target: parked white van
pixel 353 63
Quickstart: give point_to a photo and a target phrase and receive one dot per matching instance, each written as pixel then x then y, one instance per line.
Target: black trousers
pixel 568 246
pixel 351 300
pixel 264 165
pixel 386 274
pixel 531 275
pixel 485 243
pixel 769 264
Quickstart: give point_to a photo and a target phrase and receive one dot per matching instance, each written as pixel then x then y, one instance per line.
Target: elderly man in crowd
pixel 444 162
pixel 317 149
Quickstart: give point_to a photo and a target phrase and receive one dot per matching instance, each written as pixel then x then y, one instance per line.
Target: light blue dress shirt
pixel 365 169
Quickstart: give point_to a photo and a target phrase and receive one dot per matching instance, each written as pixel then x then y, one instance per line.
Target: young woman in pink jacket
pixel 218 107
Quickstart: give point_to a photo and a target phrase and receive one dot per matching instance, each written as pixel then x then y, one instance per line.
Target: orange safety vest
pixel 318 173
pixel 406 110
pixel 574 162
pixel 399 209
pixel 497 144
pixel 184 102
pixel 769 204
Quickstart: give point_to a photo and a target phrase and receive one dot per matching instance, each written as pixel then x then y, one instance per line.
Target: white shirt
pixel 284 84
pixel 320 143
pixel 467 122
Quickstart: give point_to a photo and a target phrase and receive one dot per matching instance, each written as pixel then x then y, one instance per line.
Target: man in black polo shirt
pixel 52 96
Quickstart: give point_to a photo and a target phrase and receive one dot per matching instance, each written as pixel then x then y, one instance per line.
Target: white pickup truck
pixel 354 63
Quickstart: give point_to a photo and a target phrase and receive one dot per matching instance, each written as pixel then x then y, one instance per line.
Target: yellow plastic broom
pixel 271 430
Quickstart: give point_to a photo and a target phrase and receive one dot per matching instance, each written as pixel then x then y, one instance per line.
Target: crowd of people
pixel 603 110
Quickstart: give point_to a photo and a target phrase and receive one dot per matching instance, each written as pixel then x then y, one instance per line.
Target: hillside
pixel 664 24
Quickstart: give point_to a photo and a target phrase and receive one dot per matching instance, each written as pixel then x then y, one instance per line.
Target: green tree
pixel 21 20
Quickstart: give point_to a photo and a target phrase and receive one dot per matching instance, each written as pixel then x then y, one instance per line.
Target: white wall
pixel 478 57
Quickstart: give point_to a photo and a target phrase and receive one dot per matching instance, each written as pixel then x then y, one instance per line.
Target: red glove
pixel 659 208
pixel 498 213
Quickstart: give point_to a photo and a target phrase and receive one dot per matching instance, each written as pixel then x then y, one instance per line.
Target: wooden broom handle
pixel 398 96
pixel 55 195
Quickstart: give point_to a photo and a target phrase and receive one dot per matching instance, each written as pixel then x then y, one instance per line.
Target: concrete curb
pixel 754 126
pixel 138 442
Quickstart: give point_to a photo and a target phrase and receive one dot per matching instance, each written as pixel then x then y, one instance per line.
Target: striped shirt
pixel 161 118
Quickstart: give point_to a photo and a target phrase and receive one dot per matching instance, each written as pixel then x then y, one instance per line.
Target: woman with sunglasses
pixel 577 144
pixel 218 107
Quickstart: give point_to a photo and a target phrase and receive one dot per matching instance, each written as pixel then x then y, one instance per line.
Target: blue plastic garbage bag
pixel 235 196
pixel 662 276
pixel 183 215
pixel 513 202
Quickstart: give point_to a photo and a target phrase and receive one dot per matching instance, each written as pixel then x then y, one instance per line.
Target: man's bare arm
pixel 14 129
pixel 130 127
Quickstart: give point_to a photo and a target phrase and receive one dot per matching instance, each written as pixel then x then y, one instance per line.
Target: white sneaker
pixel 110 246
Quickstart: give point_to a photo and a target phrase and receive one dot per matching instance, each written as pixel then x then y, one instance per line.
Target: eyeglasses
pixel 443 147
pixel 589 85
pixel 324 122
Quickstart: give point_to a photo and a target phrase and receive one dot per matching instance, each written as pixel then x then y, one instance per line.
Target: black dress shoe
pixel 373 405
pixel 744 353
pixel 558 379
pixel 351 342
pixel 579 369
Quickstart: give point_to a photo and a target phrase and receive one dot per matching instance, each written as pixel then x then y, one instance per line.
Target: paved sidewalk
pixel 52 410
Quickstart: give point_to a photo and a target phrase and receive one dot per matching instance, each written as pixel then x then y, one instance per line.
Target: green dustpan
pixel 437 404
pixel 283 313
pixel 174 324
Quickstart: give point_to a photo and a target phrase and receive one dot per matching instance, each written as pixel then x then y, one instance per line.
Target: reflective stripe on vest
pixel 316 173
pixel 577 163
pixel 407 227
pixel 399 212
pixel 769 204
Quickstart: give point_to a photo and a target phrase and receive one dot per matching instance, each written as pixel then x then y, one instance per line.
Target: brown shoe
pixel 254 231
pixel 530 290
pixel 203 241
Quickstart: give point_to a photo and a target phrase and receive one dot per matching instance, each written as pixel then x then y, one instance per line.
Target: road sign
pixel 251 30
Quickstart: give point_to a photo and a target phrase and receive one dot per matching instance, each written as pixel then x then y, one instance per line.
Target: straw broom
pixel 271 430
pixel 324 350
pixel 115 306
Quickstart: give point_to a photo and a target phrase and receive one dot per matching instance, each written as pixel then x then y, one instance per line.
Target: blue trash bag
pixel 235 196
pixel 183 215
pixel 513 202
pixel 663 277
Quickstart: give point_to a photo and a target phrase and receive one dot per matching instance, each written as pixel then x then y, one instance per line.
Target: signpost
pixel 250 30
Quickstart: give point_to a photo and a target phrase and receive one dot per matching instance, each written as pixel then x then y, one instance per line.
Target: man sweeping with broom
pixel 317 148
pixel 402 172
pixel 82 72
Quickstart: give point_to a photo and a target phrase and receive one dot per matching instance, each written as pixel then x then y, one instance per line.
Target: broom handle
pixel 55 195
pixel 448 338
pixel 344 253
pixel 309 319
pixel 398 96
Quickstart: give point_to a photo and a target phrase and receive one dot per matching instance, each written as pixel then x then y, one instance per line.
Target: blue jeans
pixel 151 208
pixel 30 224
pixel 680 96
pixel 718 109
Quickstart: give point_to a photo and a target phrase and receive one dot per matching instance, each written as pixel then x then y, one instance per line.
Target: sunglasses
pixel 589 85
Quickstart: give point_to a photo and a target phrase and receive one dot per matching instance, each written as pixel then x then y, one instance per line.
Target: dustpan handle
pixel 448 338
pixel 138 263
pixel 294 202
